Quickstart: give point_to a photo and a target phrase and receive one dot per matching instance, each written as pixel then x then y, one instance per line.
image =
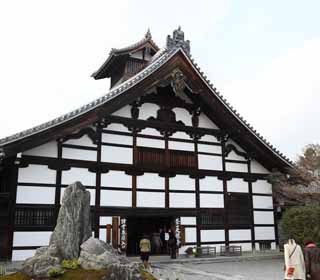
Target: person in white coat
pixel 294 261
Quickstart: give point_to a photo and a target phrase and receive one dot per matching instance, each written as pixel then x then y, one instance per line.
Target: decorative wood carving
pixel 231 147
pixel 178 81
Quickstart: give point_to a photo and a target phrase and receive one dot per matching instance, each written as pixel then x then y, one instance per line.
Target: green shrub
pixel 302 222
pixel 55 272
pixel 70 264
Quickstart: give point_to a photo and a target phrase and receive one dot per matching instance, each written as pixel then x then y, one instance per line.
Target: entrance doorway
pixel 150 226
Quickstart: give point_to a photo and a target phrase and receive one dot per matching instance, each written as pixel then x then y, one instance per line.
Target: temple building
pixel 162 149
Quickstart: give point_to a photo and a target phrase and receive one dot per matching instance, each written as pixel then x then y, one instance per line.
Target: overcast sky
pixel 263 56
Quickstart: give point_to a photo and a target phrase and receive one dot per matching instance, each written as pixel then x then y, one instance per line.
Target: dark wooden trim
pixel 251 207
pixel 98 183
pixel 197 189
pixel 79 147
pixel 263 209
pixel 58 182
pixel 27 247
pixel 36 185
pixel 236 161
pixel 166 179
pixel 210 154
pixel 115 188
pixel 225 194
pixel 261 194
pixel 116 145
pixel 134 176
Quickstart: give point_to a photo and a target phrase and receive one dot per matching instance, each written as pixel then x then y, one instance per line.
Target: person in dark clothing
pixel 172 243
pixel 163 241
pixel 312 260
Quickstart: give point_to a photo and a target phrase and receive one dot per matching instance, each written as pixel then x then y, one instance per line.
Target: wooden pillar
pixel 98 183
pixel 225 193
pixel 251 208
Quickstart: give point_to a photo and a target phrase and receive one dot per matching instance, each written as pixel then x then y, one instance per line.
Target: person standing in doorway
pixel 145 248
pixel 163 240
pixel 312 260
pixel 172 243
pixel 294 261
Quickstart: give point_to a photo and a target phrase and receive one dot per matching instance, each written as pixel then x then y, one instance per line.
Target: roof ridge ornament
pixel 148 34
pixel 178 41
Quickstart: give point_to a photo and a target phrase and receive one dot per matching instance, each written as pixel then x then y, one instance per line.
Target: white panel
pixel 263 217
pixel 210 162
pixel 205 122
pixel 245 247
pixel 238 185
pixel 239 234
pixel 238 167
pixel 150 199
pixel 174 145
pixel 116 154
pixel 273 246
pixel 82 175
pixel 209 148
pixel 150 181
pixel 190 234
pixel 83 141
pixel 262 202
pixel 116 198
pixel 256 167
pixel 182 200
pixel 257 246
pixel 188 220
pixel 212 235
pixel 209 138
pixel 264 233
pixel 46 150
pixel 182 182
pixel 117 127
pixel 261 186
pixel 21 255
pixel 37 174
pixel 232 155
pixel 117 139
pixel 105 221
pixel 151 131
pixel 154 143
pixel 117 179
pixel 92 196
pixel 31 238
pixel 123 112
pixel 183 115
pixel 137 54
pixel 103 234
pixel 79 154
pixel 180 135
pixel 211 184
pixel 148 110
pixel 211 200
pixel 37 195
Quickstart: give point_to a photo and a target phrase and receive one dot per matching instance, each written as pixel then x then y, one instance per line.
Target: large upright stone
pixel 73 224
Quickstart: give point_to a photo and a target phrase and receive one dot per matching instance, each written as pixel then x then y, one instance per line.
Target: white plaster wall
pixel 174 145
pixel 239 234
pixel 182 200
pixel 238 167
pixel 209 138
pixel 209 148
pixel 49 149
pixel 117 127
pixel 150 131
pixel 123 112
pixel 20 255
pixel 117 179
pixel 150 199
pixel 263 217
pixel 183 115
pixel 82 175
pixel 148 110
pixel 264 233
pixel 205 122
pixel 273 246
pixel 244 246
pixel 103 234
pixel 106 220
pixel 230 141
pixel 261 186
pixel 79 154
pixel 212 235
pixel 37 174
pixel 256 167
pixel 116 154
pixel 92 196
pixel 83 141
pixel 116 198
pixel 31 238
pixel 180 135
pixel 117 139
pixel 211 184
pixel 37 195
pixel 262 202
pixel 137 55
pixel 154 143
pixel 150 181
pixel 232 155
pixel 190 234
pixel 188 220
pixel 210 162
pixel 182 182
pixel 237 185
pixel 210 200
